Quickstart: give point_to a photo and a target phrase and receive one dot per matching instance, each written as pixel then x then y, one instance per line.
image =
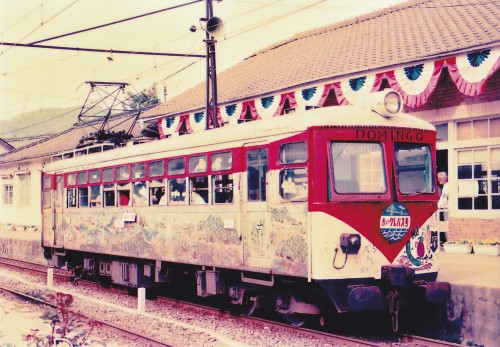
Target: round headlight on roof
pixel 387 103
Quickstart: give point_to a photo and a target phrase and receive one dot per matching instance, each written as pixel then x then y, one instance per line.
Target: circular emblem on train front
pixel 394 222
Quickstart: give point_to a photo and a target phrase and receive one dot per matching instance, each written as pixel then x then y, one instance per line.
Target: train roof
pixel 255 132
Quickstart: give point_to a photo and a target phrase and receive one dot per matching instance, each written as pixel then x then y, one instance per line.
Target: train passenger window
pixel 122 173
pixel 95 176
pixel 414 168
pixel 293 184
pixel 156 168
pixel 71 197
pixel 71 179
pixel 295 152
pixel 47 182
pixel 95 196
pixel 222 161
pixel 256 174
pixel 83 197
pixel 176 166
pixel 109 195
pixel 46 199
pixel 141 197
pixel 223 189
pixel 198 164
pixel 83 177
pixel 123 194
pixel 358 168
pixel 157 192
pixel 108 175
pixel 177 191
pixel 139 170
pixel 199 190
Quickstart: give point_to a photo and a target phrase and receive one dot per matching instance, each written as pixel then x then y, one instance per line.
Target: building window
pixel 8 194
pixel 478 129
pixel 24 189
pixel 478 177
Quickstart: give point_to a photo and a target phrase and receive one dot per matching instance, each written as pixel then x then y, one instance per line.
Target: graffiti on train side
pixel 170 237
pixel 288 239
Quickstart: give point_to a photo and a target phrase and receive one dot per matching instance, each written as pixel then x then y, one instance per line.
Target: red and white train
pixel 329 210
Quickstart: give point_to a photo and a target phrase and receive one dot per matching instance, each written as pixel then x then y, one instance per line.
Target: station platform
pixel 472 314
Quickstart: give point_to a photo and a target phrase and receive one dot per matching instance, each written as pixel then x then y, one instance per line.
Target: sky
pixel 34 78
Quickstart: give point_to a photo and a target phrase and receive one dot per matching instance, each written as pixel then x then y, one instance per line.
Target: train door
pixel 256 227
pixel 58 212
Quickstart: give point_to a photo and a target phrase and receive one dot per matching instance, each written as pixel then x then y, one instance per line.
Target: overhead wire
pixel 237 33
pixel 48 20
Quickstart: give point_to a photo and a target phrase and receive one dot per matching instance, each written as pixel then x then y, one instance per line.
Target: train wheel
pixel 295 319
pixel 249 305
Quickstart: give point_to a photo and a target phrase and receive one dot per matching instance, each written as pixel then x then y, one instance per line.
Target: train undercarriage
pixel 294 298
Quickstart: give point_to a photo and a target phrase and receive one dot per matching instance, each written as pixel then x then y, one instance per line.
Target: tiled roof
pixel 64 141
pixel 413 31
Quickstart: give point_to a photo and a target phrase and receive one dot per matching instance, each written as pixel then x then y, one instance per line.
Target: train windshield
pixel 414 168
pixel 358 168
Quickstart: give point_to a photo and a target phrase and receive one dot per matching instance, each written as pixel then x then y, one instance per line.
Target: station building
pixel 442 56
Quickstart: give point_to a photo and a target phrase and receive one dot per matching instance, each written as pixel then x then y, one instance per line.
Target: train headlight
pixel 387 103
pixel 350 243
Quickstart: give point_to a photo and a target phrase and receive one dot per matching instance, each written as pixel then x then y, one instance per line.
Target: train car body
pixel 333 205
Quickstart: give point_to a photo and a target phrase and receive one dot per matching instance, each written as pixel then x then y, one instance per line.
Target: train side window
pixel 157 192
pixel 176 166
pixel 156 168
pixel 198 164
pixel 295 152
pixel 293 184
pixel 95 196
pixel 83 197
pixel 198 190
pixel 46 198
pixel 71 197
pixel 95 176
pixel 123 190
pixel 71 179
pixel 83 177
pixel 222 161
pixel 123 173
pixel 47 182
pixel 256 174
pixel 222 189
pixel 109 195
pixel 140 194
pixel 108 175
pixel 177 191
pixel 139 170
pixel 358 168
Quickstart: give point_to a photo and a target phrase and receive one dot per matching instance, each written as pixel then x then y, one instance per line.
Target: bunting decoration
pixel 197 121
pixel 471 71
pixel 266 106
pixel 230 113
pixel 356 89
pixel 415 83
pixel 287 101
pixel 309 97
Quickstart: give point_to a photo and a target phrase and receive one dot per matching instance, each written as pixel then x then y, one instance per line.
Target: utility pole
pixel 211 84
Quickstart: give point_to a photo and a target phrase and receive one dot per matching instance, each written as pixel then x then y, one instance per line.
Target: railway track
pixel 326 337
pixel 142 340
